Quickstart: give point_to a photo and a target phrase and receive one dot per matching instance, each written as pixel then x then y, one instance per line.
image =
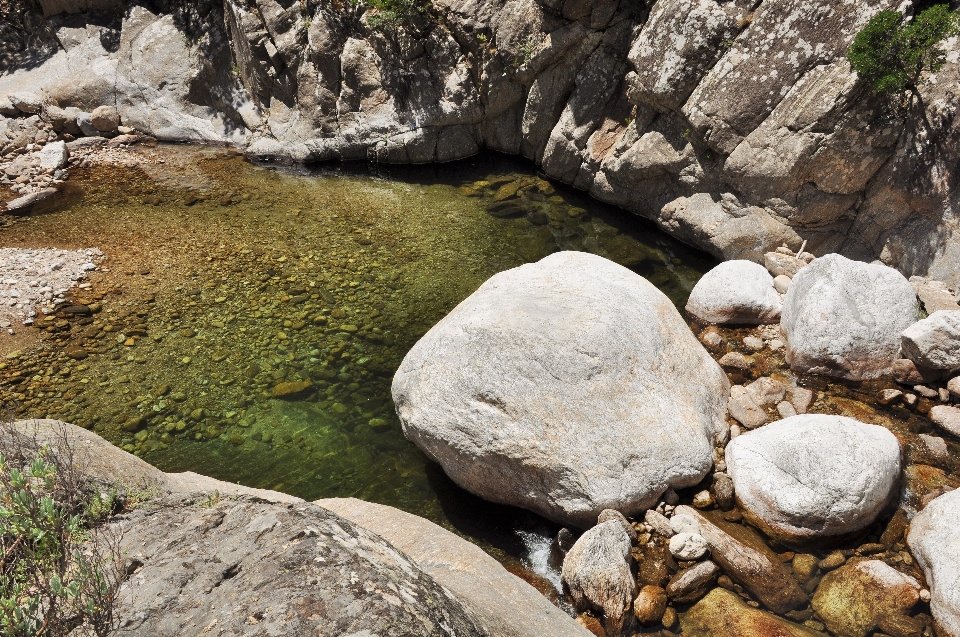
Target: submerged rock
pixel 814 475
pixel 724 614
pixel 597 572
pixel 934 342
pixel 934 541
pixel 735 292
pixel 844 318
pixel 853 599
pixel 567 387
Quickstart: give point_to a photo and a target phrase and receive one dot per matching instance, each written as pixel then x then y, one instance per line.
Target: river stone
pixel 853 599
pixel 934 342
pixel 785 265
pixel 208 563
pixel 105 119
pixel 689 584
pixel 505 604
pixel 934 541
pixel 688 546
pixel 566 386
pixel 947 417
pixel 85 124
pixel 844 318
pixel 650 605
pixel 735 292
pixel 814 475
pixel 723 614
pixel 54 155
pixel 597 572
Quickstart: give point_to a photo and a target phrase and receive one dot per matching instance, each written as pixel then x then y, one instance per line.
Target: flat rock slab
pixel 506 605
pixel 567 387
pixel 814 475
pixel 247 567
pixel 734 292
pixel 934 541
pixel 844 318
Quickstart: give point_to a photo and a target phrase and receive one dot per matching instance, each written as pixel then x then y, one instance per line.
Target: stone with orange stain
pixel 723 614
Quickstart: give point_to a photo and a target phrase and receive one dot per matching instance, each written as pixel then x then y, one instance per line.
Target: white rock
pixel 684 524
pixel 597 572
pixel 934 541
pixel 934 342
pixel 844 318
pixel 54 155
pixel 947 417
pixel 566 386
pixel 735 292
pixel 785 409
pixel 688 546
pixel 781 283
pixel 26 101
pixel 953 386
pixel 814 475
pixel 767 391
pixel 780 264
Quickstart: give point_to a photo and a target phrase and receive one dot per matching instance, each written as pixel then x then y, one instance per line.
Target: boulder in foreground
pixel 735 292
pixel 567 387
pixel 934 541
pixel 814 475
pixel 844 318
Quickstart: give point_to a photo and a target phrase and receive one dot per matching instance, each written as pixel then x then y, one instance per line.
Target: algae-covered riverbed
pixel 248 319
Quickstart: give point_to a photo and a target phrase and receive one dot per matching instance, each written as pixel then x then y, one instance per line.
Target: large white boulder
pixel 844 318
pixel 934 342
pixel 814 475
pixel 934 540
pixel 735 292
pixel 566 386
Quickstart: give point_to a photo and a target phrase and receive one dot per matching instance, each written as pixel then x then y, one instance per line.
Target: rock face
pixel 853 599
pixel 735 292
pixel 503 603
pixel 567 387
pixel 667 110
pixel 597 572
pixel 934 342
pixel 222 566
pixel 814 475
pixel 844 318
pixel 724 614
pixel 934 541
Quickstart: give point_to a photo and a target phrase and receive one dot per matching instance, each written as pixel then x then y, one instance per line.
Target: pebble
pixel 781 283
pixel 692 581
pixel 711 339
pixel 785 409
pixel 753 343
pixel 832 561
pixel 688 546
pixel 735 360
pixel 658 523
pixel 703 500
pixel 910 399
pixel 889 396
pixel 926 392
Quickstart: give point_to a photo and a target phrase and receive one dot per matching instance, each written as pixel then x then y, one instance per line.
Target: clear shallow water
pixel 252 317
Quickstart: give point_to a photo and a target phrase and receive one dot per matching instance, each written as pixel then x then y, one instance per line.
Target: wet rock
pixel 76 352
pixel 783 265
pixel 889 396
pixel 936 447
pixel 735 292
pixel 503 603
pixel 766 391
pixel 597 572
pixel 288 389
pixel 906 372
pixel 54 155
pixel 947 417
pixel 723 614
pixel 753 343
pixel 844 318
pixel 105 119
pixel 926 392
pixel 690 584
pixel 745 558
pixel 658 522
pixel 804 567
pixel 934 342
pixel 814 475
pixel 650 605
pixel 723 491
pixel 572 339
pixel 853 599
pixel 565 540
pixel 25 202
pixel 735 360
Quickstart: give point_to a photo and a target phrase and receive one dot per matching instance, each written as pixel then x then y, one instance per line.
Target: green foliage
pixel 891 54
pixel 55 576
pixel 391 14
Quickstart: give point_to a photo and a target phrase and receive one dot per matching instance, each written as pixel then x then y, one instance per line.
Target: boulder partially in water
pixel 844 318
pixel 934 541
pixel 724 614
pixel 934 342
pixel 597 572
pixel 814 475
pixel 735 291
pixel 566 386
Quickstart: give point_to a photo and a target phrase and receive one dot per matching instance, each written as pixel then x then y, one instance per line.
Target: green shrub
pixel 61 567
pixel 891 53
pixel 393 13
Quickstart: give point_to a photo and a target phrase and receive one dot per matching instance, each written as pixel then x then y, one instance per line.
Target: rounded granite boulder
pixel 735 292
pixel 566 386
pixel 814 475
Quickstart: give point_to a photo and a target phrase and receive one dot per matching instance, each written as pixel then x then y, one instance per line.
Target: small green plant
pixel 891 54
pixel 525 52
pixel 391 14
pixel 235 70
